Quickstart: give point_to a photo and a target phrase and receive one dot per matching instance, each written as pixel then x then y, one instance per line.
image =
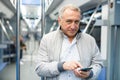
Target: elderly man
pixel 64 51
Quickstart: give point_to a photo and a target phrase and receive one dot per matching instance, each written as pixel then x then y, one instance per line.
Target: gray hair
pixel 69 6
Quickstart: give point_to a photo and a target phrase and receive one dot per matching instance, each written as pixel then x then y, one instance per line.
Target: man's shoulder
pixel 50 34
pixel 87 36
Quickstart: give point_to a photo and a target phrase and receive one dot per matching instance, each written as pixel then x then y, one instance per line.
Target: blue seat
pixel 102 75
pixel 2 66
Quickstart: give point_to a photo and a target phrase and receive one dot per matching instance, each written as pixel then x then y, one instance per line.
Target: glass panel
pixel 31 2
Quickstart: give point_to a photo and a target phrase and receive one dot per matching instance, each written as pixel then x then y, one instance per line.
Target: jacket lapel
pixel 58 45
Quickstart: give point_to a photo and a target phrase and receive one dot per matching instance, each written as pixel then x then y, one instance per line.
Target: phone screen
pixel 85 69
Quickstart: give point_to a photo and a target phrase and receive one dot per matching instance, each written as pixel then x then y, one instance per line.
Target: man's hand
pixel 82 74
pixel 71 65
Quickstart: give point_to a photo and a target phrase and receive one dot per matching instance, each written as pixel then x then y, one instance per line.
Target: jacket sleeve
pixel 97 61
pixel 44 67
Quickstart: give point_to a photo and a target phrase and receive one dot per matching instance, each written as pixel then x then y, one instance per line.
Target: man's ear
pixel 59 20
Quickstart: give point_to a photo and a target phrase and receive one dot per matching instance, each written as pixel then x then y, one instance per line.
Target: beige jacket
pixel 50 49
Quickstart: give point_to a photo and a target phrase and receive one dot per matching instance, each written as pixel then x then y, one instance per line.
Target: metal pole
pixel 18 42
pixel 113 55
pixel 109 74
pixel 91 18
pixel 113 47
pixel 42 18
pixel 4 29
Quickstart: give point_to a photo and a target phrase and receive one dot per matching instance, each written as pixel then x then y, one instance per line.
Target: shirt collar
pixel 78 35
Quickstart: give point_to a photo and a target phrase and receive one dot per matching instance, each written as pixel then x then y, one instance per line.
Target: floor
pixel 27 64
pixel 27 71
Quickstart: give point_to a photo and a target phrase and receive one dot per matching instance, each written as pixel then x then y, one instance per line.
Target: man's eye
pixel 69 21
pixel 76 22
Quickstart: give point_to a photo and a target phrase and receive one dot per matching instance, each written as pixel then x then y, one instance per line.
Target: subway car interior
pixel 23 23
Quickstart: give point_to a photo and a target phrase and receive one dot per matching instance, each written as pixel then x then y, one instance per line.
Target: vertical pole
pixel 18 42
pixel 113 39
pixel 109 60
pixel 113 53
pixel 42 17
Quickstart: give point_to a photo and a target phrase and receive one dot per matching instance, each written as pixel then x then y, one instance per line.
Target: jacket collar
pixel 78 35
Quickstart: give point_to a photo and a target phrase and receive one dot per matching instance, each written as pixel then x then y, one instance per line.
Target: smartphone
pixel 84 69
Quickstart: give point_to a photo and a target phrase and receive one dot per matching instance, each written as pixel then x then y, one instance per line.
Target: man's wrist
pixel 90 75
pixel 60 67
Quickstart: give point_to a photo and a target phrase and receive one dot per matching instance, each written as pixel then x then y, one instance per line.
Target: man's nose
pixel 73 25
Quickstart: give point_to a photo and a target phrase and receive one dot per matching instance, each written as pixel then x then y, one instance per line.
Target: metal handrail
pixel 91 18
pixel 5 31
pixel 10 27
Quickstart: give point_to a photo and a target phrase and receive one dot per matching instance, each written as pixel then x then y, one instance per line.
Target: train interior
pixel 28 21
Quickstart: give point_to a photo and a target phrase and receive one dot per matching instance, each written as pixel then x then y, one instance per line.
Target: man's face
pixel 69 22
